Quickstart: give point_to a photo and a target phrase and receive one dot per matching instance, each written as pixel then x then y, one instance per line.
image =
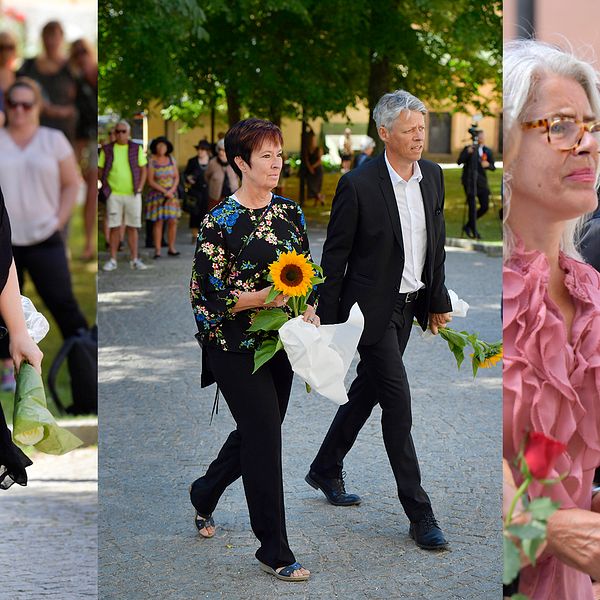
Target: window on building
pixel 439 132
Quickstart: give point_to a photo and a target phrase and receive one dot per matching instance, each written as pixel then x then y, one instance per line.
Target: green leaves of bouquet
pixel 292 275
pixel 484 355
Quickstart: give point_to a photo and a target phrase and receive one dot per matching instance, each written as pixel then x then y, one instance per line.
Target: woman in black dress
pixel 239 238
pixel 21 346
pixel 198 188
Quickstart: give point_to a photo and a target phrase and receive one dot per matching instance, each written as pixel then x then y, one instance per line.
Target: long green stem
pixel 516 498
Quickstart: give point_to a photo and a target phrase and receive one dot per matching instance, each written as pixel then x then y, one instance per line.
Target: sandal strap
pixel 289 570
pixel 203 522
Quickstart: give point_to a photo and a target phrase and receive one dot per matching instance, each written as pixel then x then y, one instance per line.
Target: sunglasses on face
pixel 6 47
pixel 120 130
pixel 14 104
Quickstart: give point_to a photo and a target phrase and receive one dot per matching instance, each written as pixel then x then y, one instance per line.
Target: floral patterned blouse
pixel 217 283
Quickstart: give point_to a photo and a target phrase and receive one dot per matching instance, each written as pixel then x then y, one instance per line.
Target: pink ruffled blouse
pixel 553 386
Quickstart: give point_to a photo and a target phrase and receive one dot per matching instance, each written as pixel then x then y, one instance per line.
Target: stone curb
pixel 85 429
pixel 487 247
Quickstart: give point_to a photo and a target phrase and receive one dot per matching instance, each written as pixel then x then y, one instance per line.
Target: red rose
pixel 541 453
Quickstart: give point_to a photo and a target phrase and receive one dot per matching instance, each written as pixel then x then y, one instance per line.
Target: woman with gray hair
pixel 552 304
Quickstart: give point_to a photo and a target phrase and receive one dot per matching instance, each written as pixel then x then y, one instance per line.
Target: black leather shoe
pixel 334 489
pixel 427 534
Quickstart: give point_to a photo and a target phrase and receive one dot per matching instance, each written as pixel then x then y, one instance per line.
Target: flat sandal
pixel 202 522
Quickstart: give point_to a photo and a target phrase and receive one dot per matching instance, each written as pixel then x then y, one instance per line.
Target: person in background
pixel 162 203
pixel 346 150
pixel 589 244
pixel 220 177
pixel 197 189
pixel 51 70
pixel 122 171
pixel 38 175
pixel 85 71
pixel 474 180
pixel 366 150
pixel 8 55
pixel 314 169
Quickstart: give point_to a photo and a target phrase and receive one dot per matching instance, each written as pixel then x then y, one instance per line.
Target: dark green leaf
pixel 542 508
pixel 528 531
pixel 267 350
pixel 270 319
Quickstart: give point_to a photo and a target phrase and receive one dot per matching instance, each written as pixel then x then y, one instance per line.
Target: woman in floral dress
pixel 162 203
pixel 238 240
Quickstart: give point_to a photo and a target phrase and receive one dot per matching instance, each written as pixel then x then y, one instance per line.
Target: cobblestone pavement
pixel 155 439
pixel 49 545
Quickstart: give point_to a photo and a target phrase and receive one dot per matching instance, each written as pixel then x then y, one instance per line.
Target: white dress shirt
pixel 414 230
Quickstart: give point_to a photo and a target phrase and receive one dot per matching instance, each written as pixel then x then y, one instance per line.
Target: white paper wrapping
pixel 321 356
pixel 37 325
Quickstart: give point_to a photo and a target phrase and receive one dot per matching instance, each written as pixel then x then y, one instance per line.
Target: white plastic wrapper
pixel 37 325
pixel 321 356
pixel 459 309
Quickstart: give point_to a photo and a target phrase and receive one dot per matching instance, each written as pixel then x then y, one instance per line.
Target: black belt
pixel 409 297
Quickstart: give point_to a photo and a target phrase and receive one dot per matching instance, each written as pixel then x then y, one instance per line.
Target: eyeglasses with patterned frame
pixel 565 133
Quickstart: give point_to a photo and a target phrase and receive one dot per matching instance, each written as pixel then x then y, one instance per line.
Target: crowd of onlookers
pixel 48 114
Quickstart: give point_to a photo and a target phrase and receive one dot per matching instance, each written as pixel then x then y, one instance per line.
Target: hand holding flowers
pixel 535 461
pixel 293 277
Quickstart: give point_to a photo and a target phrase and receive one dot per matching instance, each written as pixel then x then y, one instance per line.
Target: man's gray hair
pixel 526 63
pixel 124 122
pixel 391 105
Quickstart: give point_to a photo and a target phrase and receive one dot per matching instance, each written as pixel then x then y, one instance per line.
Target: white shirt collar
pixel 417 175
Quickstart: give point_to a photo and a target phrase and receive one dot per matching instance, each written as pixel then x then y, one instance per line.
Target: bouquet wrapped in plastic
pixel 33 424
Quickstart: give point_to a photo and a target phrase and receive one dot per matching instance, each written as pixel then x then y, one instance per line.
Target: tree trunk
pixel 379 84
pixel 302 156
pixel 234 111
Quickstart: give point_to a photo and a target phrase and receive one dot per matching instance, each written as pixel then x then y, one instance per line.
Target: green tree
pixel 139 47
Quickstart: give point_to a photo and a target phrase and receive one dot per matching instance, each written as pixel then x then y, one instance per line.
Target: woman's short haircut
pixel 526 63
pixel 247 136
pixel 28 83
pixel 390 105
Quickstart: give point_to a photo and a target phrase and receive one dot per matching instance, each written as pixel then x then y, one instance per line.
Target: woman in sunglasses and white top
pixel 552 302
pixel 39 178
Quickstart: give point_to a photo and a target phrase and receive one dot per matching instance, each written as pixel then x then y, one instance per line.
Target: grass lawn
pixel 84 286
pixel 489 226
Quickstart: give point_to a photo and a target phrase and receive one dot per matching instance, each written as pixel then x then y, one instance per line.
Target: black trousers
pixel 483 194
pixel 258 404
pixel 381 378
pixel 47 265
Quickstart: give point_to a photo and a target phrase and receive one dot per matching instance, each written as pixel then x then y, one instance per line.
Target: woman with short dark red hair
pixel 238 240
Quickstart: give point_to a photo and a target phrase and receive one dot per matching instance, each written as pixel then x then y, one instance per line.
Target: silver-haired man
pixel 385 250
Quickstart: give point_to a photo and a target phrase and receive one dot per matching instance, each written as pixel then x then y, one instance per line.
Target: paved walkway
pixel 49 545
pixel 155 439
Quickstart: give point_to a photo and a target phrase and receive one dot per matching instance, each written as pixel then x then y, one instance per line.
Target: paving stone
pixel 155 439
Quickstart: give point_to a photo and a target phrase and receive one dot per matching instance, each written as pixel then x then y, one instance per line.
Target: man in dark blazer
pixel 477 158
pixel 385 250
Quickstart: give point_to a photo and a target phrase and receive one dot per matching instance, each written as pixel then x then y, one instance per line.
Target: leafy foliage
pixel 299 58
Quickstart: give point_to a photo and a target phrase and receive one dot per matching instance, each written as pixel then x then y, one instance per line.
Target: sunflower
pixel 490 361
pixel 291 274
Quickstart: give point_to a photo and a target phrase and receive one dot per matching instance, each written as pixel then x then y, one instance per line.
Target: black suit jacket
pixel 363 255
pixel 466 159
